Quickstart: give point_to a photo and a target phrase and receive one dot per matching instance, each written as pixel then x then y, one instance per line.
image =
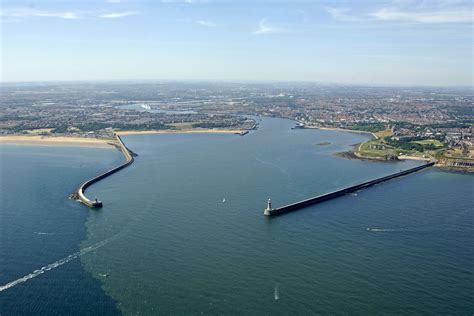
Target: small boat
pixel 223 200
pixel 276 294
pixel 299 126
pixel 105 275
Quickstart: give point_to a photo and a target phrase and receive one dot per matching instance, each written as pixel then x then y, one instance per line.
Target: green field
pixel 376 149
pixel 434 142
pixel 380 149
pixel 384 133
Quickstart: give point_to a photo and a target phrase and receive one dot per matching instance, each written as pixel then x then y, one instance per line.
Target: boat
pixel 299 126
pixel 276 294
pixel 223 200
pixel 242 133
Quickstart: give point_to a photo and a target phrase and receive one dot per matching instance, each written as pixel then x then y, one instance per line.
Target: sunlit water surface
pixel 167 242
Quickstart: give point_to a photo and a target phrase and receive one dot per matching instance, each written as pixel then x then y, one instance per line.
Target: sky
pixel 384 42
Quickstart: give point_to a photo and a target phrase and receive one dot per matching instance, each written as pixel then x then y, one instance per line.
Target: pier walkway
pixel 128 161
pixel 269 211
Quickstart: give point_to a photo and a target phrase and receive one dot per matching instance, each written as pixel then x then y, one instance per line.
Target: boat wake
pixel 41 233
pixel 55 264
pixel 276 166
pixel 384 230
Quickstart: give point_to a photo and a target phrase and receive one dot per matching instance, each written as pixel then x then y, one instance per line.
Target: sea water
pixel 169 244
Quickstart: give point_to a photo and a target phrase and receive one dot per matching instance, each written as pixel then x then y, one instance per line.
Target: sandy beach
pixel 98 142
pixel 183 131
pixel 56 141
pixel 407 157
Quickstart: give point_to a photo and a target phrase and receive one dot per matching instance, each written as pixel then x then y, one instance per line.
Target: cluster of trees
pixel 214 124
pixel 97 126
pixel 367 127
pixel 462 110
pixel 458 124
pixel 142 127
pixel 409 144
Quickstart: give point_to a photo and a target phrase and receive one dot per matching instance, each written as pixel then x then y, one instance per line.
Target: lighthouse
pixel 269 209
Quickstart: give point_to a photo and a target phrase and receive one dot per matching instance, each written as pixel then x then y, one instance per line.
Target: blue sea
pixel 182 230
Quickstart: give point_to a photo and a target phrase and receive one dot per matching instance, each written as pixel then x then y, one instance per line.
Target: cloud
pixel 342 14
pixel 265 28
pixel 115 15
pixel 113 1
pixel 395 14
pixel 177 1
pixel 433 11
pixel 206 23
pixel 22 13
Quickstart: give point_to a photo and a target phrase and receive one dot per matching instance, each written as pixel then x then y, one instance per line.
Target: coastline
pixel 78 141
pixel 183 131
pixel 405 157
pixel 342 130
pixel 67 141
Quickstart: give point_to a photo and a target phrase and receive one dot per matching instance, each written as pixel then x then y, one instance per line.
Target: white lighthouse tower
pixel 269 209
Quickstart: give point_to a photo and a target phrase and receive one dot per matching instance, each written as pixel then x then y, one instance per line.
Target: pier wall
pixel 128 161
pixel 335 194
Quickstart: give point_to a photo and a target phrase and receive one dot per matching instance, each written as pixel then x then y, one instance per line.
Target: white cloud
pixel 265 28
pixel 395 14
pixel 343 14
pixel 20 14
pixel 115 15
pixel 27 12
pixel 62 15
pixel 433 11
pixel 113 1
pixel 206 23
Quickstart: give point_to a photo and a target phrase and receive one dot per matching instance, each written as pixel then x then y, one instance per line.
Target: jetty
pixel 269 211
pixel 80 194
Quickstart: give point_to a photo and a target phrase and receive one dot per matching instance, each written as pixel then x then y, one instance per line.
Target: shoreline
pixel 66 141
pixel 337 129
pixel 79 141
pixel 354 155
pixel 184 131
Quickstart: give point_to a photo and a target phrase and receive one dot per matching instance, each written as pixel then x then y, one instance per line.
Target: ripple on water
pixel 187 252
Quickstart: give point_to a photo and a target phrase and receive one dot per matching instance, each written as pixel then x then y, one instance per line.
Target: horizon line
pixel 237 81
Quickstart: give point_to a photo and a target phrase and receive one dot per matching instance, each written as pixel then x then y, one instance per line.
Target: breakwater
pixel 128 161
pixel 269 211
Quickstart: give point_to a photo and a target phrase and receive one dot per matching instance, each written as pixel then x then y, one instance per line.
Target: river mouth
pixel 193 238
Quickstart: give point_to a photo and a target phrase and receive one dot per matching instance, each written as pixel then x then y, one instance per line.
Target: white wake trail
pixel 263 162
pixel 55 264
